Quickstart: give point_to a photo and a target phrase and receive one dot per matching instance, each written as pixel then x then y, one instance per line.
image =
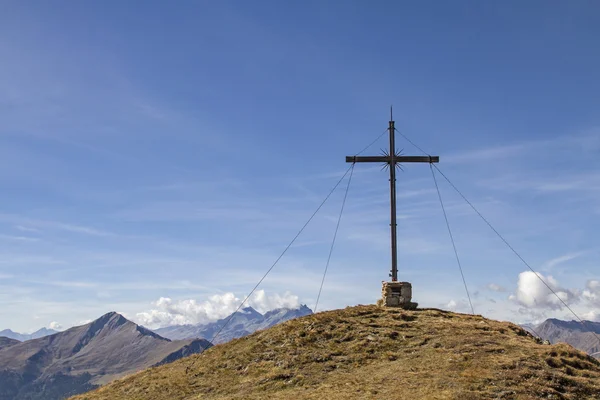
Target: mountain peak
pixel 249 310
pixel 289 313
pixel 111 320
pixel 79 358
pixel 111 315
pixel 43 332
pixel 114 321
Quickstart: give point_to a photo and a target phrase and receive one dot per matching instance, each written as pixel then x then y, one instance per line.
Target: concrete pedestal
pixel 397 294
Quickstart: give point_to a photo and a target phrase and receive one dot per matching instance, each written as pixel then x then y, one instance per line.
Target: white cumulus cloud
pixel 592 292
pixel 55 325
pixel 532 293
pixel 458 306
pixel 531 316
pixel 592 315
pixel 166 312
pixel 451 305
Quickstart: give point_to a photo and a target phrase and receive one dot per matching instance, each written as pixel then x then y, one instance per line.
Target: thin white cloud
pixel 19 238
pixel 546 182
pixel 72 284
pixel 487 154
pixel 106 288
pixel 76 228
pixel 191 211
pixel 495 287
pixel 27 229
pixel 58 225
pixel 548 265
pixel 574 142
pixel 24 259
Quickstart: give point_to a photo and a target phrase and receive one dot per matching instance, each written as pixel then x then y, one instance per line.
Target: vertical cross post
pixel 392 160
pixel 393 224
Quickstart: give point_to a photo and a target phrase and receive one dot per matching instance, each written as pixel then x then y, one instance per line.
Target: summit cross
pixel 392 159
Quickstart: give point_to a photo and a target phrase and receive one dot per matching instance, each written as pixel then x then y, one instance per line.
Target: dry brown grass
pixel 367 352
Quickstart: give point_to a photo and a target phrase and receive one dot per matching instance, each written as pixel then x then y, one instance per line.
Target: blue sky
pixel 152 150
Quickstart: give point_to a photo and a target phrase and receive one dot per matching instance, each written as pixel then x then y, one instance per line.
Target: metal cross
pixel 392 159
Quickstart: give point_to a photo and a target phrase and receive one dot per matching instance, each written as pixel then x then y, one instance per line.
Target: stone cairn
pixel 397 294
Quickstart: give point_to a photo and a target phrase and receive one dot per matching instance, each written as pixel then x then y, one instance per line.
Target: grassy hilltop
pixel 367 352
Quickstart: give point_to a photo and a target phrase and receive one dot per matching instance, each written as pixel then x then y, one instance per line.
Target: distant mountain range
pixel 581 336
pixel 50 365
pixel 21 337
pixel 84 357
pixel 242 323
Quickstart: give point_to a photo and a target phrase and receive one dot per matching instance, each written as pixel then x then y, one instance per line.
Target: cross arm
pixel 398 159
pixel 353 159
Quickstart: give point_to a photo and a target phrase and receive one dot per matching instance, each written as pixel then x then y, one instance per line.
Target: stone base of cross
pixel 397 294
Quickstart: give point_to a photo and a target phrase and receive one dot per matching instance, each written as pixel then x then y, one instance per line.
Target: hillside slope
pixel 370 352
pixel 6 342
pixel 80 358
